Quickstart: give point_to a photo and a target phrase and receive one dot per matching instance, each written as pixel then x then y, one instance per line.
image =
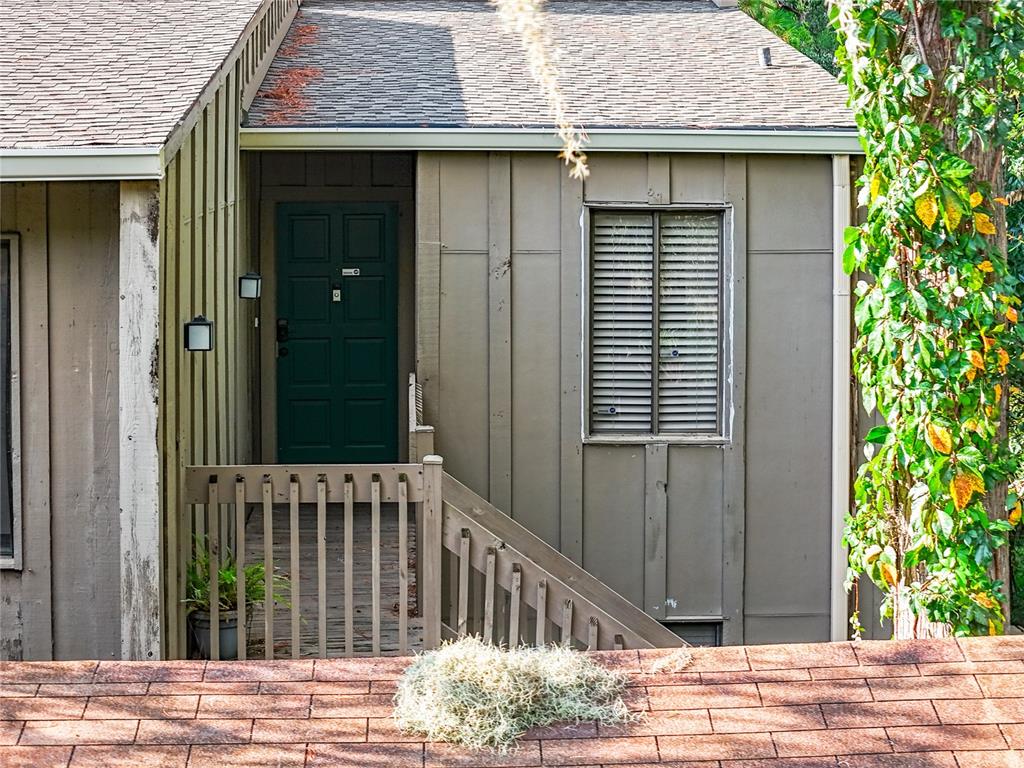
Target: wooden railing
pixel 464 566
pixel 216 502
pixel 503 583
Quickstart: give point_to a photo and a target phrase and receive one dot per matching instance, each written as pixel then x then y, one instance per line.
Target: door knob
pixel 282 329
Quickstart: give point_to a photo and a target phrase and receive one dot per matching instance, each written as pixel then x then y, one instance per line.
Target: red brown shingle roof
pixel 927 704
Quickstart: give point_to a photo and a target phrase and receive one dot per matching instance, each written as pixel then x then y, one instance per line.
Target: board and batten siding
pixel 735 530
pixel 64 601
pixel 206 399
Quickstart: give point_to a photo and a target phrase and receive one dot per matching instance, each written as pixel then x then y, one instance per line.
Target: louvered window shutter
pixel 622 322
pixel 689 323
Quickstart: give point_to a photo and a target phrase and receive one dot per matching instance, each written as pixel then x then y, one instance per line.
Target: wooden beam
pixel 571 373
pixel 428 281
pixel 734 475
pixel 499 325
pixel 138 391
pixel 655 528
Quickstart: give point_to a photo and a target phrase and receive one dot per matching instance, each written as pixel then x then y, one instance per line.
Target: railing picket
pixel 460 628
pixel 349 602
pixel 293 576
pixel 592 634
pixel 213 565
pixel 268 567
pixel 567 623
pixel 542 611
pixel 321 563
pixel 492 556
pixel 375 556
pixel 403 565
pixel 240 563
pixel 514 599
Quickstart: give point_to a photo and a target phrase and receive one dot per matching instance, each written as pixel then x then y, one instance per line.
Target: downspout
pixel 841 399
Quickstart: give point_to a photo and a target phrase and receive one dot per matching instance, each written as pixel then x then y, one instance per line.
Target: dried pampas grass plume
pixel 526 18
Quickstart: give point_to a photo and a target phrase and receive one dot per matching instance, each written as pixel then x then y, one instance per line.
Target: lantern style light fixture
pixel 249 285
pixel 199 334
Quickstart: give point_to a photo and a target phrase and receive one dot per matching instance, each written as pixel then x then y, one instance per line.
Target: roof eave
pixel 786 141
pixel 81 163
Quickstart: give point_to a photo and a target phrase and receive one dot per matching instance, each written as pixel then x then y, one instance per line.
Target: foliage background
pixel 804 24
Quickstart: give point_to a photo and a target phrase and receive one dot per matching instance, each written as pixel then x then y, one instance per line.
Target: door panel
pixel 337 367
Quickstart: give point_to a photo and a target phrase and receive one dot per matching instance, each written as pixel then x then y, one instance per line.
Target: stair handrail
pixel 596 609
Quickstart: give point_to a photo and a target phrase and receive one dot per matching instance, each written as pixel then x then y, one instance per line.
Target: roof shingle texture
pixel 922 704
pixel 624 64
pixel 79 73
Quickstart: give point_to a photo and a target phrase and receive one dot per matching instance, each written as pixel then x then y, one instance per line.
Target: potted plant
pixel 197 598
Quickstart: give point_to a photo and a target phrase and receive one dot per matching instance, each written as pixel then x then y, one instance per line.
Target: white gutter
pixel 841 399
pixel 81 164
pixel 608 140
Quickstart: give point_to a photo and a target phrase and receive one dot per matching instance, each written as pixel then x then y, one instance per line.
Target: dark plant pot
pixel 199 622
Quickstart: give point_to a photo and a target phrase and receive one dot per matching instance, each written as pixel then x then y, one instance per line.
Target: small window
pixel 656 323
pixel 10 480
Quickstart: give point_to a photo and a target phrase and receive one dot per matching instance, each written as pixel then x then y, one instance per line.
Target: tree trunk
pixel 988 164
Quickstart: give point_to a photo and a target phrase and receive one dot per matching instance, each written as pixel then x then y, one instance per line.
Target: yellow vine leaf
pixel 1016 513
pixel 997 390
pixel 927 208
pixel 971 373
pixel 984 224
pixel 986 342
pixel 976 199
pixel 1002 201
pixel 992 631
pixel 888 573
pixel 976 359
pixel 971 425
pixel 876 184
pixel 953 215
pixel 985 601
pixel 938 438
pixel 1011 314
pixel 986 265
pixel 1004 360
pixel 963 486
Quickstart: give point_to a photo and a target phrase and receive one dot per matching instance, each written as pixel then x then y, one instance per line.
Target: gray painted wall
pixel 738 530
pixel 65 603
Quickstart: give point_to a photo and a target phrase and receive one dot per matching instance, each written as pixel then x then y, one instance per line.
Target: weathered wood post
pixel 138 390
pixel 431 551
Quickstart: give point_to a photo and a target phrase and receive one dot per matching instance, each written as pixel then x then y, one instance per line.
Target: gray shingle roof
pixel 108 72
pixel 625 63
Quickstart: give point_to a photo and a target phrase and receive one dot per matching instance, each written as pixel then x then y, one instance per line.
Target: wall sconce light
pixel 199 334
pixel 249 286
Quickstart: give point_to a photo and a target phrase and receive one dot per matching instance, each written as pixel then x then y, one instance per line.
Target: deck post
pixel 430 554
pixel 138 390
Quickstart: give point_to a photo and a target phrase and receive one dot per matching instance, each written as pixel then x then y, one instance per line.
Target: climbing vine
pixel 936 89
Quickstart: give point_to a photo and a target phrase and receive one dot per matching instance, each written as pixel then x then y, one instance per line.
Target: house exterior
pixel 647 370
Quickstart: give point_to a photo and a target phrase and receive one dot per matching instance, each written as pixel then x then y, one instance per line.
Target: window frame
pixel 14 561
pixel 726 342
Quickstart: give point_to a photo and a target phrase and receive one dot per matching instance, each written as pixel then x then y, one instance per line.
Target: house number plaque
pixel 350 272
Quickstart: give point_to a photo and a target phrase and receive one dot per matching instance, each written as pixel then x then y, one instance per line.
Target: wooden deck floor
pixel 362 574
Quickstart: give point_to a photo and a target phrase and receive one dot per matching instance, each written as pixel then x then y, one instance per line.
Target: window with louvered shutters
pixel 622 320
pixel 678 327
pixel 689 338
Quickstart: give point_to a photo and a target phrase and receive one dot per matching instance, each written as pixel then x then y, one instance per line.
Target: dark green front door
pixel 337 333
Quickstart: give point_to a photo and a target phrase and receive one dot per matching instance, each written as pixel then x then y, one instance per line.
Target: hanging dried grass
pixel 526 18
pixel 480 696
